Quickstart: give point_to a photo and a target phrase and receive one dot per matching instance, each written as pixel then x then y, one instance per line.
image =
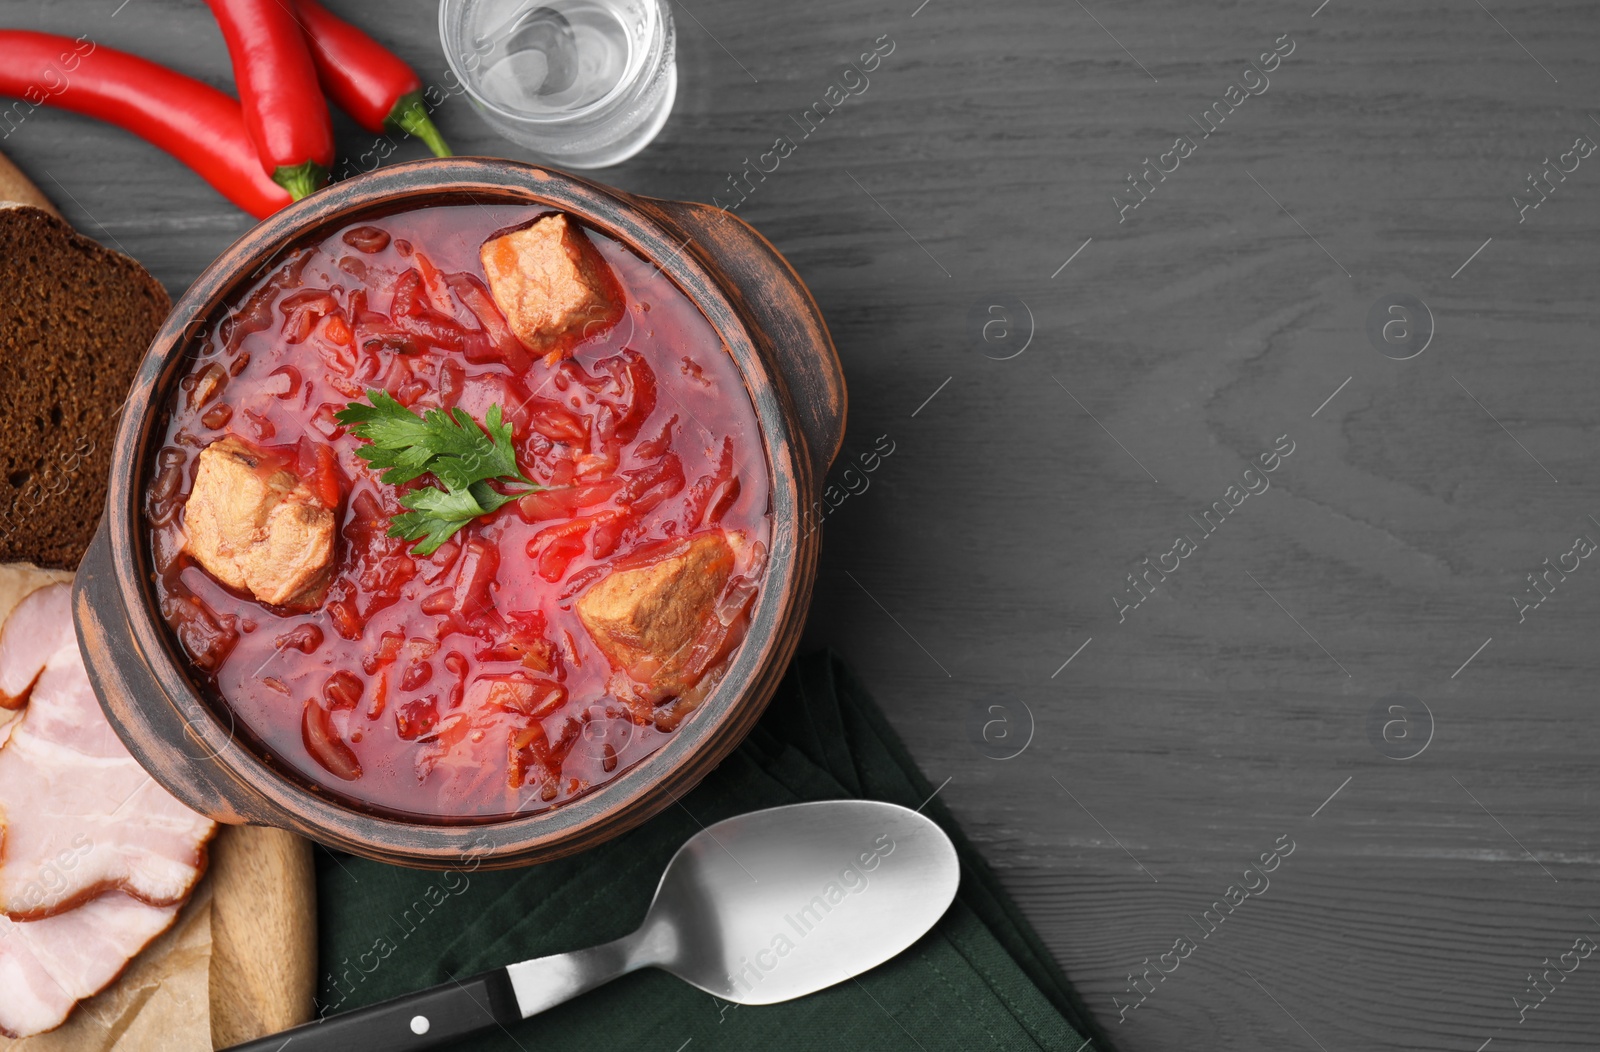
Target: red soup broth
pixel 647 430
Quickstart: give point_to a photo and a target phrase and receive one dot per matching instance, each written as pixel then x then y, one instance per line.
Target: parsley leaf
pixel 462 455
pixel 449 444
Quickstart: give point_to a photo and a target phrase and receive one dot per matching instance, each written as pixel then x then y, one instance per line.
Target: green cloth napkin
pixel 981 979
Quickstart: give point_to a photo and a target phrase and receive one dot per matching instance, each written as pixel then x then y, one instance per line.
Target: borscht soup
pixel 459 511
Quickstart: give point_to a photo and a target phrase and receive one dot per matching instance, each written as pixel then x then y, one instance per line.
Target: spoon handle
pixel 426 1019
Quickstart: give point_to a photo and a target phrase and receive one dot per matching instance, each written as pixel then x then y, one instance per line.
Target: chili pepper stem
pixel 411 117
pixel 302 179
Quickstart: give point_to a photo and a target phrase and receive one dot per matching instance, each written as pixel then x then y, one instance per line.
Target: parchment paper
pixel 160 1004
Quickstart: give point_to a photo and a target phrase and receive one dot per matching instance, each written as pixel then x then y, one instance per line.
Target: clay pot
pixel 776 335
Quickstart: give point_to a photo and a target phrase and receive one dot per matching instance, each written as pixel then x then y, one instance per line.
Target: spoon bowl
pixel 777 904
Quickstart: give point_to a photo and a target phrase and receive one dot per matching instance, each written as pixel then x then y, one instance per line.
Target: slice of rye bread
pixel 75 320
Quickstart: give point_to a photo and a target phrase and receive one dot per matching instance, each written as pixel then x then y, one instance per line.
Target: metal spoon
pixel 760 908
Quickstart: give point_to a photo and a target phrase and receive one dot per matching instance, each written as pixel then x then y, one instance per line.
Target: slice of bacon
pixel 47 966
pixel 81 816
pixel 39 626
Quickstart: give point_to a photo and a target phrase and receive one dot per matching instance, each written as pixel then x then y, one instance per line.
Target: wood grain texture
pixel 987 548
pixel 263 933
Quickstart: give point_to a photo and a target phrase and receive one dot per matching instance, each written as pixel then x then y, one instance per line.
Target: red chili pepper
pixel 283 107
pixel 194 122
pixel 367 80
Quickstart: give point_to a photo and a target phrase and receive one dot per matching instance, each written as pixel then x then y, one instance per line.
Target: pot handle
pixel 768 291
pixel 178 753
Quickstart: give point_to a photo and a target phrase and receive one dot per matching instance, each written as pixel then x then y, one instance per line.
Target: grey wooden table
pixel 1333 258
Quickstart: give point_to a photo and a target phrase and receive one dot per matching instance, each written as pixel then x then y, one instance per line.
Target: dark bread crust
pixel 75 320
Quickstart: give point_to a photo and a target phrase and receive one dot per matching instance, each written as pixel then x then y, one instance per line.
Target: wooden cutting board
pixel 263 933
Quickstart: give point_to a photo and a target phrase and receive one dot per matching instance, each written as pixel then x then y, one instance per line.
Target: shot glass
pixel 582 83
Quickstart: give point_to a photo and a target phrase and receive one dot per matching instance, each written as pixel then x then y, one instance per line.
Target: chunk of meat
pixel 38 626
pixel 552 285
pixel 47 966
pixel 80 815
pixel 256 527
pixel 645 618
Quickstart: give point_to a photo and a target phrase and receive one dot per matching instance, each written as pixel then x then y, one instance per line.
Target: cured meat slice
pixel 47 966
pixel 95 858
pixel 39 626
pixel 81 816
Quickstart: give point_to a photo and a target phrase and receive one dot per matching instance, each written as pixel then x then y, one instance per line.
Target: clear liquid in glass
pixel 582 83
pixel 553 56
